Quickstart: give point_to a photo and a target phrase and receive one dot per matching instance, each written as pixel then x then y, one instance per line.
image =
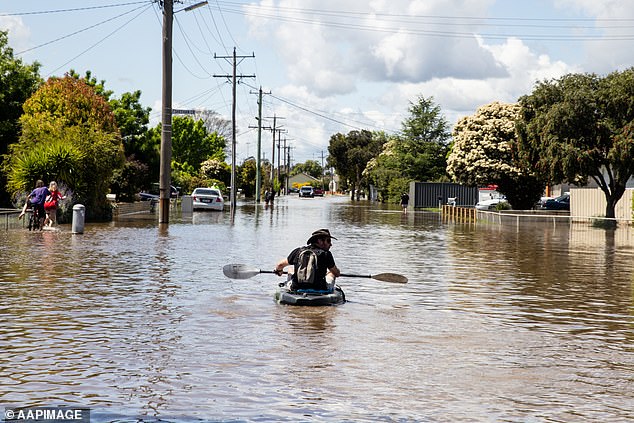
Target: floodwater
pixel 497 323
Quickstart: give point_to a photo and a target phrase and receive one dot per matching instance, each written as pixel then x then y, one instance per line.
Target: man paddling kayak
pixel 314 265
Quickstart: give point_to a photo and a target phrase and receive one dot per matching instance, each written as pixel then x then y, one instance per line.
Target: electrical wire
pixel 235 43
pixel 99 42
pixel 188 44
pixel 83 30
pixel 385 15
pixel 49 12
pixel 290 15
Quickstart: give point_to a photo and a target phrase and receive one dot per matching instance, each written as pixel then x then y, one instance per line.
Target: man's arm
pixel 279 267
pixel 335 271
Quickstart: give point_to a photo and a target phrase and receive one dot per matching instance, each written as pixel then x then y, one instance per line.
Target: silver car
pixel 491 204
pixel 207 199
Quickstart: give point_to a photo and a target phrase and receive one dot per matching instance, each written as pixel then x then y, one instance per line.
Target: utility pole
pixel 258 168
pixel 285 165
pixel 279 134
pixel 234 78
pixel 273 153
pixel 166 119
pixel 165 191
pixel 288 155
pixel 278 156
pixel 274 129
pixel 287 162
pixel 322 169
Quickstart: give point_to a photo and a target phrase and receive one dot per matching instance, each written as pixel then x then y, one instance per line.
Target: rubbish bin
pixel 79 213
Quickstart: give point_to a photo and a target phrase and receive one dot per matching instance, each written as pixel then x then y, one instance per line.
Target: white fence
pixel 590 203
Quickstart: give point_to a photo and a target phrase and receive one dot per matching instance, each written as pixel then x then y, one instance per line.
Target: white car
pixel 306 191
pixel 207 199
pixel 490 204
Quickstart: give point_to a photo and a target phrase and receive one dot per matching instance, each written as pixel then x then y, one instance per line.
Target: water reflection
pixel 136 320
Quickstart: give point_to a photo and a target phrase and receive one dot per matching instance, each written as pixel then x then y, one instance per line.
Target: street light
pixel 195 6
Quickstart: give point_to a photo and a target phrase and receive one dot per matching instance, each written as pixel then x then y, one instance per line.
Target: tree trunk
pixel 610 207
pixel 611 198
pixel 609 211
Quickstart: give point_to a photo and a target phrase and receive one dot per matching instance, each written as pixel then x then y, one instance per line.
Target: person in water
pixel 35 200
pixel 50 205
pixel 404 201
pixel 314 266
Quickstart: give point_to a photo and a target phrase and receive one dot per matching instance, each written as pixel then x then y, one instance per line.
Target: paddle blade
pixel 384 277
pixel 239 271
pixel 390 277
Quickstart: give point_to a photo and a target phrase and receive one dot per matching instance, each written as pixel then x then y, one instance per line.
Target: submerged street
pixel 497 323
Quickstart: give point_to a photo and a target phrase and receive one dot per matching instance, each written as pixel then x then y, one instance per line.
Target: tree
pixel 580 128
pixel 192 144
pixel 422 148
pixel 66 117
pixel 418 154
pixel 127 181
pixel 216 169
pixel 385 171
pixel 99 87
pixel 18 81
pixel 132 120
pixel 141 149
pixel 483 153
pixel 142 154
pixel 215 123
pixel 350 154
pixel 246 177
pixel 309 167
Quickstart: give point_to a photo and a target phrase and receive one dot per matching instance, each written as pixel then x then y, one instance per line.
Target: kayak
pixel 309 297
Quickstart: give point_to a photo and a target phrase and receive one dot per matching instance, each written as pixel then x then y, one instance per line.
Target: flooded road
pixel 497 323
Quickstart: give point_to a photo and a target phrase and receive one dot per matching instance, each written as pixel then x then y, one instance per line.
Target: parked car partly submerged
pixel 207 199
pixel 560 203
pixel 318 192
pixel 491 204
pixel 153 194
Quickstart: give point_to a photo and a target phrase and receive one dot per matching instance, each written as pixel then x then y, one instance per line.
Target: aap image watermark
pixel 46 415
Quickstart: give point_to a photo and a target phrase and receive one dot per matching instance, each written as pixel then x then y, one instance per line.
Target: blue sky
pixel 330 66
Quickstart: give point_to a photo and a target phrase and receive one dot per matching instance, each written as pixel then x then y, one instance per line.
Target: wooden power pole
pixel 233 77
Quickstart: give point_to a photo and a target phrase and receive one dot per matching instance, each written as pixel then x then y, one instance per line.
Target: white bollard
pixel 79 213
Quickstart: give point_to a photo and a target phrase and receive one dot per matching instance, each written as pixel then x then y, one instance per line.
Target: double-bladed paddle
pixel 243 271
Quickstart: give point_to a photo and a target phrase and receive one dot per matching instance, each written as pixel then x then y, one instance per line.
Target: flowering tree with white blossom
pixel 484 152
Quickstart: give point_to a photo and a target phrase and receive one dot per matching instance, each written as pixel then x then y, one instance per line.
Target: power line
pixel 188 44
pixel 226 26
pixel 364 15
pixel 49 12
pixel 99 42
pixel 84 29
pixel 422 23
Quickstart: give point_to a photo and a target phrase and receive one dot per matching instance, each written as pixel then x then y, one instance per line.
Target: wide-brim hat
pixel 319 233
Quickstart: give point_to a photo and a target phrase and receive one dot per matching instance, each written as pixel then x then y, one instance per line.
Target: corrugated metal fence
pixel 433 194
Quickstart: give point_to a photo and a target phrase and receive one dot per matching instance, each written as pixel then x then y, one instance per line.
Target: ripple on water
pixel 495 324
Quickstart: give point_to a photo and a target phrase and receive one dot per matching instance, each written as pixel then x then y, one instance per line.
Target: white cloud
pixel 332 52
pixel 19 34
pixel 462 96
